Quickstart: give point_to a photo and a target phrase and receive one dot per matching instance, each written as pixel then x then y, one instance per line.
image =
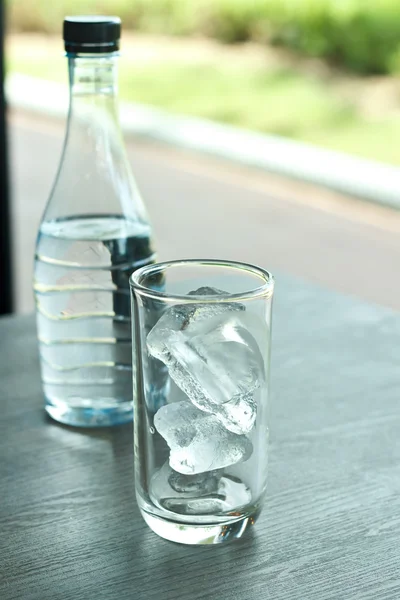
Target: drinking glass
pixel 202 338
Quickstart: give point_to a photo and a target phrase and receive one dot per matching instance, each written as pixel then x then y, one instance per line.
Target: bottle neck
pixel 94 175
pixel 93 84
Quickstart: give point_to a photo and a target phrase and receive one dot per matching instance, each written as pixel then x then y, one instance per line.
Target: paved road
pixel 206 208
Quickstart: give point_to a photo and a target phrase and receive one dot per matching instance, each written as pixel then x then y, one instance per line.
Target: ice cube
pixel 167 483
pixel 212 356
pixel 180 316
pixel 197 440
pixel 201 494
pixel 192 486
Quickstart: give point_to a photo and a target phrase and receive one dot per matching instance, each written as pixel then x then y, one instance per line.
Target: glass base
pixel 185 533
pixel 79 416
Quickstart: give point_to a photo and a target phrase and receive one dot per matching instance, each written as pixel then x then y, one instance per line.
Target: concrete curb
pixel 366 179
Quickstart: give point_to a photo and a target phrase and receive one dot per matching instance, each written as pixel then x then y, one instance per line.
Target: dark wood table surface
pixel 70 528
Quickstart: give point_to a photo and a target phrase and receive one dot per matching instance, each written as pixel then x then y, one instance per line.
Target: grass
pixel 277 100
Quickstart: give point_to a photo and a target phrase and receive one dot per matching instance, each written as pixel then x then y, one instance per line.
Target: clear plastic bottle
pixel 94 233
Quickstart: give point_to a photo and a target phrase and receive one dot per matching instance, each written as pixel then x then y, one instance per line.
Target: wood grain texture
pixel 330 530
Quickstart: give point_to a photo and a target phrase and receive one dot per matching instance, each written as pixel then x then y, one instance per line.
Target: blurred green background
pixel 320 71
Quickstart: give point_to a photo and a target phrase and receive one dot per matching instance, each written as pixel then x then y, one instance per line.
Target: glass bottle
pixel 94 233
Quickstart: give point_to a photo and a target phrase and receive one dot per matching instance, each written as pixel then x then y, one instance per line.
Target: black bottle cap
pixel 91 34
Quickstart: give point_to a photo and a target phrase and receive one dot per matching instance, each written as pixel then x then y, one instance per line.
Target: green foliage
pixel 361 35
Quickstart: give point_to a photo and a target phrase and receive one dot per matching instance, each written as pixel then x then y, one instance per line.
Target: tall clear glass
pixel 94 233
pixel 203 337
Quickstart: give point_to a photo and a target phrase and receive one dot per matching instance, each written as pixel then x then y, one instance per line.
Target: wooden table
pixel 70 528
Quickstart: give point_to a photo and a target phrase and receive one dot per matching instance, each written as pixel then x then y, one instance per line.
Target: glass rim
pixel 265 290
